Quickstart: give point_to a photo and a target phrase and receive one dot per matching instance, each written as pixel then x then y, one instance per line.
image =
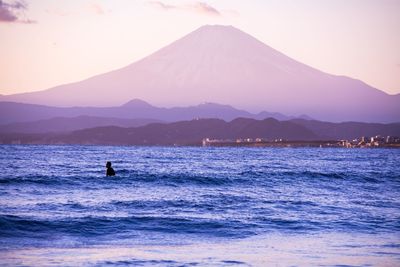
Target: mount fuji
pixel 222 64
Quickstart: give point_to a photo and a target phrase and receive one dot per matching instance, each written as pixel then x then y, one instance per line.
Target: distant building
pixel 392 140
pixel 345 143
pixel 205 141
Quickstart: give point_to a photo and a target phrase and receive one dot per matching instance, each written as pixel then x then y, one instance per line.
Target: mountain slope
pixel 11 112
pixel 177 133
pixel 225 65
pixel 192 132
pixel 62 124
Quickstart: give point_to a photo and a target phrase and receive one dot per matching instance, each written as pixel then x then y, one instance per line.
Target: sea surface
pixel 196 206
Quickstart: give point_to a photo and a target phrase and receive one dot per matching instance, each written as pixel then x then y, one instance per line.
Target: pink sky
pixel 44 43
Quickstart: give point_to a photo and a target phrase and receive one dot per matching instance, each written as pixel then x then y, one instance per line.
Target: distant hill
pixel 223 64
pixel 177 133
pixel 348 130
pixel 192 132
pixel 62 124
pixel 11 112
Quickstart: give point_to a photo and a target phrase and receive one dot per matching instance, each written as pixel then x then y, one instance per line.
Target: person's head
pixel 108 164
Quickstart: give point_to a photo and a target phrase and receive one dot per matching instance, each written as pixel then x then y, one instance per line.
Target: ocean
pixel 199 206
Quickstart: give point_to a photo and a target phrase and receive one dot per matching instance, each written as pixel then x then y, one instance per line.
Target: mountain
pixel 222 64
pixel 348 130
pixel 11 112
pixel 192 132
pixel 62 124
pixel 177 133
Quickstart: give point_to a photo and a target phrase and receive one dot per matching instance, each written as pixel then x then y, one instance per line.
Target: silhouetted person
pixel 110 170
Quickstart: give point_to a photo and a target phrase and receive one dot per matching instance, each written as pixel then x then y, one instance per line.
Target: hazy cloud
pixel 14 12
pixel 198 7
pixel 97 9
pixel 205 8
pixel 162 5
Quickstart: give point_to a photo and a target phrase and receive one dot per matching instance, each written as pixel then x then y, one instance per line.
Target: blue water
pixel 56 198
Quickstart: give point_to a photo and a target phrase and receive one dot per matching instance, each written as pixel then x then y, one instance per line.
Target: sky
pixel 45 43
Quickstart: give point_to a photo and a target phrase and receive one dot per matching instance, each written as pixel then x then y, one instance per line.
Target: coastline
pixel 227 144
pixel 279 249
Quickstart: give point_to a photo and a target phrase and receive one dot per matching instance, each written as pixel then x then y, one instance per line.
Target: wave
pixel 248 177
pixel 156 179
pixel 135 226
pixel 143 178
pixel 51 180
pixel 124 227
pixel 171 263
pixel 175 179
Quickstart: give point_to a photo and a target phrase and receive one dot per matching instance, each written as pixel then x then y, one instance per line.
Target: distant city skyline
pixel 46 43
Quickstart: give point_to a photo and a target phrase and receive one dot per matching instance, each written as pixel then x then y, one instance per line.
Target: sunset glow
pixel 46 43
